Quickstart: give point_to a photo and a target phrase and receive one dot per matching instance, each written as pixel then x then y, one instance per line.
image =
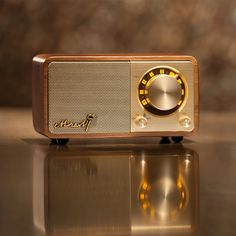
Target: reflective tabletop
pixel 117 186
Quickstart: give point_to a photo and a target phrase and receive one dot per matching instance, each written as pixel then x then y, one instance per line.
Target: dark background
pixel 205 29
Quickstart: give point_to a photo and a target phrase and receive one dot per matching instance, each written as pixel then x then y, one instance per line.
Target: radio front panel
pixel 162 93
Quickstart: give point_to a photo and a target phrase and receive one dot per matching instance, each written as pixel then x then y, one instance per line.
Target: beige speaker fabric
pixel 76 89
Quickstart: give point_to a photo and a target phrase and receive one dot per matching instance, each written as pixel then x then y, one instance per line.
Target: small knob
pixel 185 121
pixel 141 121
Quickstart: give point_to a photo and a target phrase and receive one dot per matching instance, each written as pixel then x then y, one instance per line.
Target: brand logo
pixel 83 124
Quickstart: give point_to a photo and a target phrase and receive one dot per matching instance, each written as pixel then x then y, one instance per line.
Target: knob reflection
pixel 166 185
pixel 118 189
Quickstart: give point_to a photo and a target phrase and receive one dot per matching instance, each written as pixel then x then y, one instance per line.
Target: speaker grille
pixel 76 89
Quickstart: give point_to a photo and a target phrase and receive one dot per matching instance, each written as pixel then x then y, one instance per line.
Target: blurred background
pixel 205 29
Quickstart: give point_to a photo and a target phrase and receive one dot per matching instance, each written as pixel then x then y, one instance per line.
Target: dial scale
pixel 162 90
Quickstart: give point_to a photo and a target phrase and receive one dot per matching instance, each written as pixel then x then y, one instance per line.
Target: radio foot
pixel 165 140
pixel 177 139
pixel 60 141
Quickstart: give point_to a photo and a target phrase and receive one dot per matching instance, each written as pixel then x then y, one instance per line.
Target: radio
pixel 93 96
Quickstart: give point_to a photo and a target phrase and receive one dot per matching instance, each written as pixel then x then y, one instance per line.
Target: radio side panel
pixel 38 94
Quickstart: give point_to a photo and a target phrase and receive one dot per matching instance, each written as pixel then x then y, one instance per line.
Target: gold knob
pixel 164 92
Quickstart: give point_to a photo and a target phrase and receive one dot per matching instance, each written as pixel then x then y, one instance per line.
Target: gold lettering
pixel 83 124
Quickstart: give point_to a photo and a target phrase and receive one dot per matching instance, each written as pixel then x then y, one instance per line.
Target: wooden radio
pixel 92 96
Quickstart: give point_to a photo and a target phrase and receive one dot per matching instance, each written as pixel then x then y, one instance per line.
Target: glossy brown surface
pixel 94 187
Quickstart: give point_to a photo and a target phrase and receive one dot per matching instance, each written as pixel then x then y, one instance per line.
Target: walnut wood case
pixel 40 92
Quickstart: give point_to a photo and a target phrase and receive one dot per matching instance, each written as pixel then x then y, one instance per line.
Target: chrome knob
pixel 141 121
pixel 185 121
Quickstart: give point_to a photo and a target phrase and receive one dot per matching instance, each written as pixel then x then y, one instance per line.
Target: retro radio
pixel 85 96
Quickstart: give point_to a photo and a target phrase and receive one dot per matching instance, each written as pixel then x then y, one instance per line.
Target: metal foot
pixel 165 140
pixel 177 139
pixel 60 141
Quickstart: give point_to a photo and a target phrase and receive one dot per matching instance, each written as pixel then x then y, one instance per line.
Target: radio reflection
pixel 120 189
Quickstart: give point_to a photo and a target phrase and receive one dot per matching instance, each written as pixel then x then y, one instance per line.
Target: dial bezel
pixel 148 76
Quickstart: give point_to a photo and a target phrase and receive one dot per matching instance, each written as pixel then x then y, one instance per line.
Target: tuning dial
pixel 162 90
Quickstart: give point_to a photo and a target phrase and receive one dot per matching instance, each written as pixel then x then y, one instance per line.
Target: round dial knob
pixel 162 90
